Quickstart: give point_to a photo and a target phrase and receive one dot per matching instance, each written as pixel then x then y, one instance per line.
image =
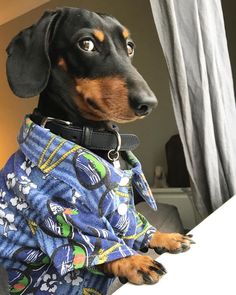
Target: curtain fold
pixel 193 40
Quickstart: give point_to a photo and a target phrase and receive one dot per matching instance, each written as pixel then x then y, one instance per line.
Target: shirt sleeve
pixel 74 237
pixel 144 232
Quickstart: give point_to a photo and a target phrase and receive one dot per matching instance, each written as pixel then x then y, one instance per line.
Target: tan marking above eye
pixel 99 35
pixel 125 33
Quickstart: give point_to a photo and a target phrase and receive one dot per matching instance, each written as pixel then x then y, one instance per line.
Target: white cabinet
pixel 182 199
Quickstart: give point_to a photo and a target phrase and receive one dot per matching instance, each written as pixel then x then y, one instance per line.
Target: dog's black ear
pixel 28 63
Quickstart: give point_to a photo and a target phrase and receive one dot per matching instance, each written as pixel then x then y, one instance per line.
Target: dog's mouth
pixel 104 99
pixel 111 98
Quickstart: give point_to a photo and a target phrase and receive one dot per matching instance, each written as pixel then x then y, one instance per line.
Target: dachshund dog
pixel 68 223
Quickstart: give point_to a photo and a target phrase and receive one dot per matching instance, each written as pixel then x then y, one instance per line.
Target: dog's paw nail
pixel 189 238
pixel 146 278
pixel 185 247
pixel 160 250
pixel 123 280
pixel 176 251
pixel 157 270
pixel 160 266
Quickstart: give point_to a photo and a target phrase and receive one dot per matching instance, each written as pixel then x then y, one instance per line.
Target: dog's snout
pixel 143 105
pixel 141 98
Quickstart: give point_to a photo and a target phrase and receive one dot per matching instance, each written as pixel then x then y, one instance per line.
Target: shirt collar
pixel 53 154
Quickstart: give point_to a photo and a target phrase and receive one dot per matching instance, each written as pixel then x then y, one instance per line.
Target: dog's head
pixel 84 61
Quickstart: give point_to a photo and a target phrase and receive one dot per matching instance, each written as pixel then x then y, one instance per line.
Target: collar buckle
pixel 46 120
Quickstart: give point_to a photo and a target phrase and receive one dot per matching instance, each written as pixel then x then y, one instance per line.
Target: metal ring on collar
pixel 118 138
pixel 113 155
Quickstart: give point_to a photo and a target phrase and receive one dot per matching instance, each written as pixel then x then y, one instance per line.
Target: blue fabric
pixel 63 211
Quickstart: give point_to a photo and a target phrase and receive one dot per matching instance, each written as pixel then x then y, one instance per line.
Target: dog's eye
pixel 87 45
pixel 130 48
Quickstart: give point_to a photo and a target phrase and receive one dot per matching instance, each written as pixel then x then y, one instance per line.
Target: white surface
pixel 182 199
pixel 208 268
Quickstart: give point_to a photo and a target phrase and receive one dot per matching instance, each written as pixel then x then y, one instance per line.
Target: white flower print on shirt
pixel 50 283
pixel 11 180
pixel 27 166
pixel 75 196
pixel 3 204
pixel 7 222
pixel 19 203
pixel 25 185
pixel 73 278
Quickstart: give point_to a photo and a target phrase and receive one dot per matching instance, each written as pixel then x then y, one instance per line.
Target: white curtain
pixel 193 39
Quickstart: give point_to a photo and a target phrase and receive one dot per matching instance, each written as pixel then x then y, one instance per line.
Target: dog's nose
pixel 143 107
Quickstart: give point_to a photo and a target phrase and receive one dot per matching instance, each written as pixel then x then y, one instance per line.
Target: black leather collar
pixel 89 137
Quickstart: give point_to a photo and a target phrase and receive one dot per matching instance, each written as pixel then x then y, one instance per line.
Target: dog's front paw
pixel 136 269
pixel 170 242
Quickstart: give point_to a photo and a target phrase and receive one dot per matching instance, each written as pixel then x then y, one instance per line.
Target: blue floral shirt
pixel 65 210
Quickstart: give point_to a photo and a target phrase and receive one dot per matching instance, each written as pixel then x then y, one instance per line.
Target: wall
pixel 11 9
pixel 229 8
pixel 154 131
